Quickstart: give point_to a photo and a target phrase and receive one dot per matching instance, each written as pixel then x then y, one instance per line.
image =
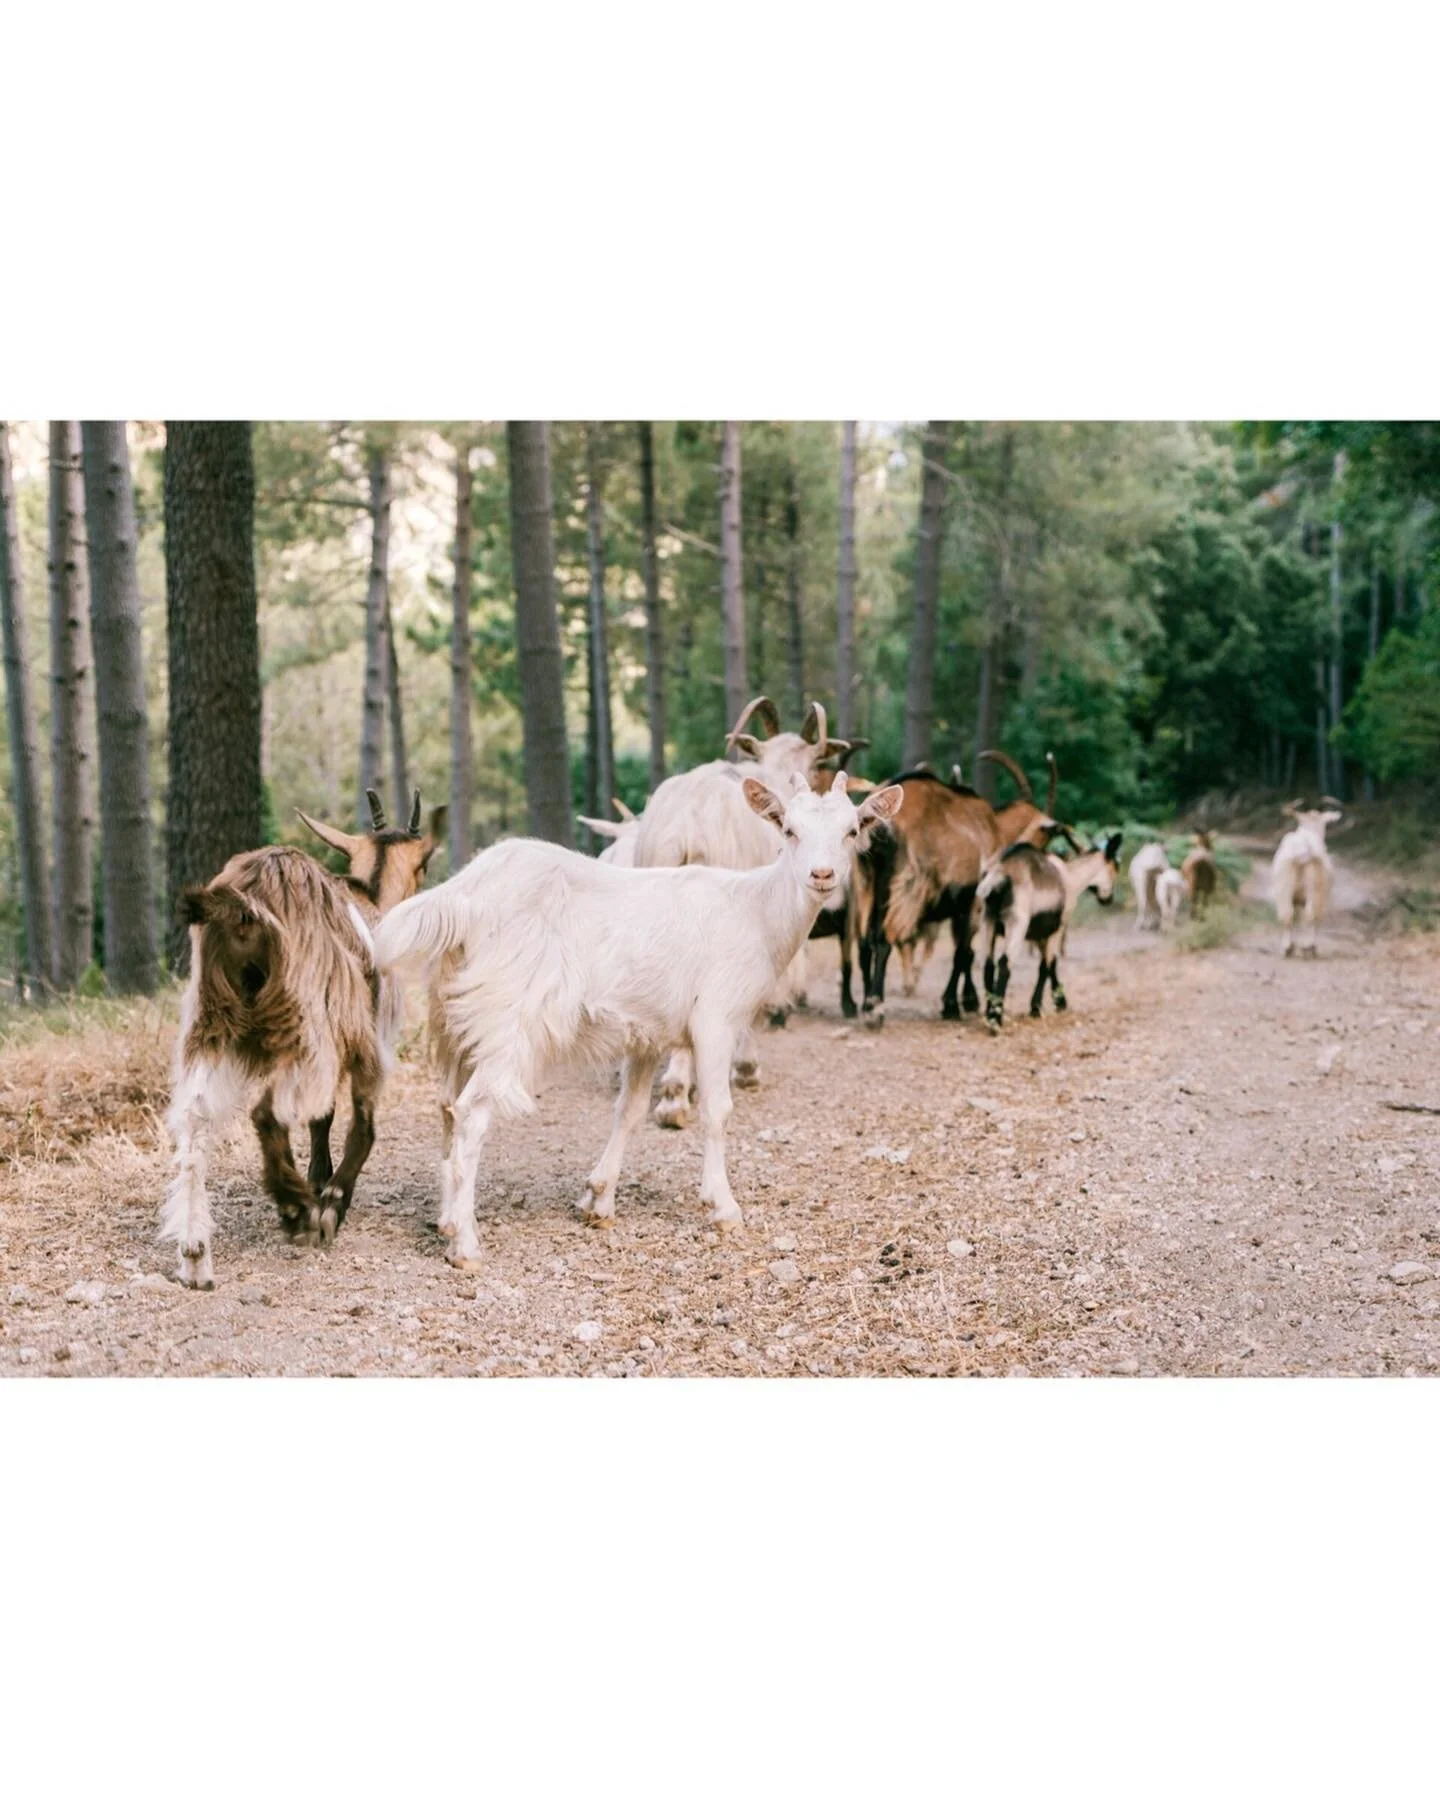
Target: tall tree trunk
pixel 20 719
pixel 795 635
pixel 845 591
pixel 399 763
pixel 212 807
pixel 756 631
pixel 72 714
pixel 1337 641
pixel 602 750
pixel 537 633
pixel 461 771
pixel 1372 643
pixel 126 868
pixel 654 638
pixel 1322 726
pixel 920 681
pixel 377 605
pixel 996 623
pixel 732 597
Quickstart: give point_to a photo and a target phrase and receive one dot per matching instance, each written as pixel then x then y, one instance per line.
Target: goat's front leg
pixel 335 1195
pixel 598 1204
pixel 294 1197
pixel 712 1072
pixel 677 1090
pixel 321 1166
pixel 204 1097
pixel 745 1069
pixel 1037 997
pixel 470 1118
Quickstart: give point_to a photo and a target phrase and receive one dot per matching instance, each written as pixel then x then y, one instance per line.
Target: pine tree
pixel 461 772
pixel 920 680
pixel 845 591
pixel 600 771
pixel 537 634
pixel 377 658
pixel 72 713
pixel 732 596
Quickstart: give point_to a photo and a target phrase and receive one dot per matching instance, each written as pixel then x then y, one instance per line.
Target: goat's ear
pixel 435 829
pixel 328 834
pixel 1112 846
pixel 1331 817
pixel 748 745
pixel 882 805
pixel 764 803
pixel 600 825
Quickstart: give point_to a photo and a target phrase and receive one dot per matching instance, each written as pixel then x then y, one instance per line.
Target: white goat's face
pixel 1103 885
pixel 1315 823
pixel 778 758
pixel 821 831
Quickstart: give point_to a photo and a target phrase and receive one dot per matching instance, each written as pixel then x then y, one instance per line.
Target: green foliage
pixel 1392 725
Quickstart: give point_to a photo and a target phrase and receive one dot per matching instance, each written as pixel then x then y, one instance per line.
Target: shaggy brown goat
pixel 1199 872
pixel 284 997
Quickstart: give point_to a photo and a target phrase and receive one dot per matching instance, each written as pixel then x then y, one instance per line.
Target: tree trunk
pixel 732 596
pixel 399 764
pixel 1337 641
pixel 795 636
pixel 920 682
pixel 126 869
pixel 20 719
pixel 654 638
pixel 1322 746
pixel 72 714
pixel 602 750
pixel 212 807
pixel 461 771
pixel 845 591
pixel 996 624
pixel 537 633
pixel 377 597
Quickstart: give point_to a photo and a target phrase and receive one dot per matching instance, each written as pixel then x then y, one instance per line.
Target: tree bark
pixel 602 751
pixel 377 598
pixel 654 637
pixel 461 771
pixel 399 762
pixel 1337 657
pixel 212 808
pixel 845 591
pixel 72 714
pixel 920 682
pixel 993 648
pixel 732 597
pixel 537 633
pixel 20 719
pixel 126 869
pixel 795 635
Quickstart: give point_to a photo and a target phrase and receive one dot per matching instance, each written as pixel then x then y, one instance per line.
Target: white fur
pixel 537 955
pixel 1146 868
pixel 1170 894
pixel 1302 874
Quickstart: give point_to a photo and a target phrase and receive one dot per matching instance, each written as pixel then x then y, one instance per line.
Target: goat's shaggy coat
pixel 1029 896
pixel 537 955
pixel 1200 872
pixel 1147 865
pixel 284 998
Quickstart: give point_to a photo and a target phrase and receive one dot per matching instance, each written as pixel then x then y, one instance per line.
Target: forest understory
pixel 1199 1169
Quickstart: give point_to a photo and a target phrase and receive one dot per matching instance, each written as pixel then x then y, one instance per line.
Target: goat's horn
pixel 415 814
pixel 377 809
pixel 1070 837
pixel 763 710
pixel 957 774
pixel 1001 759
pixel 623 811
pixel 1326 799
pixel 1290 809
pixel 1054 782
pixel 813 729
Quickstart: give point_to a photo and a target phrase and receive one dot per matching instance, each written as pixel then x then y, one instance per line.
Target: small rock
pixel 1077 1135
pixel 27 1355
pixel 1126 1368
pixel 1081 1279
pixel 86 1291
pixel 19 1294
pixel 1408 1272
pixel 1018 1372
pixel 645 1345
pixel 588 1331
pixel 785 1272
pixel 1392 1163
pixel 897 1157
pixel 151 1282
pixel 960 1249
pixel 858 1275
pixel 252 1294
pixel 784 1244
pixel 1329 1058
pixel 739 1347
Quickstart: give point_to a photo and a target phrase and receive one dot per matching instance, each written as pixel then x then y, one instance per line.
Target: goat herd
pixel 690 925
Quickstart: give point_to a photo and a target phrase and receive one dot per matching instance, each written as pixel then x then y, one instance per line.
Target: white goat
pixel 538 955
pixel 1170 894
pixel 621 852
pixel 1029 895
pixel 1146 867
pixel 701 818
pixel 1301 872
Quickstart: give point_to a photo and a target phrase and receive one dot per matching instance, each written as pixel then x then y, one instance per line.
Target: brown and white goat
pixel 1200 872
pixel 925 869
pixel 1301 873
pixel 1030 896
pixel 284 1000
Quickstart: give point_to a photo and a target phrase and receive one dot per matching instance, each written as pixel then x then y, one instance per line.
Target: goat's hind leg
pixel 335 1195
pixel 712 1069
pixel 295 1198
pixel 597 1207
pixel 205 1095
pixel 677 1091
pixel 470 1118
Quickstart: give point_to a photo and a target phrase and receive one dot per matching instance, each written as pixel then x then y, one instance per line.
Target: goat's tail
pixel 424 927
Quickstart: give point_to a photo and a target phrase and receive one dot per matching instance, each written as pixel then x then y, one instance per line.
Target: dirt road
pixel 1193 1171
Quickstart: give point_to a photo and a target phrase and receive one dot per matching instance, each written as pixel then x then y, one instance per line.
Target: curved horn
pixel 813 729
pixel 1054 783
pixel 377 810
pixel 1001 759
pixel 1335 804
pixel 1070 837
pixel 1290 809
pixel 957 774
pixel 764 711
pixel 415 814
pixel 330 836
pixel 601 826
pixel 623 811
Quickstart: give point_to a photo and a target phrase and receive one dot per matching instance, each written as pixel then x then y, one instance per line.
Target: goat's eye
pixel 853 834
pixel 789 835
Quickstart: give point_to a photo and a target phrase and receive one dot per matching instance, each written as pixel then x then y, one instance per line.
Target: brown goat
pixel 925 869
pixel 1200 872
pixel 284 997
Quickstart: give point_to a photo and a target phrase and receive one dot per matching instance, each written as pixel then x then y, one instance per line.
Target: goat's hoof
pixel 874 1020
pixel 465 1263
pixel 730 1221
pixel 329 1223
pixel 848 1008
pixel 950 1013
pixel 445 1228
pixel 970 1004
pixel 746 1076
pixel 673 1112
pixel 775 1020
pixel 993 1025
pixel 596 1219
pixel 800 1002
pixel 1061 1002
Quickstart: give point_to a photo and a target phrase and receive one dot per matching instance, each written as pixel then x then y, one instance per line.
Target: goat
pixel 701 818
pixel 536 955
pixel 621 852
pixel 1200 872
pixel 927 870
pixel 1170 894
pixel 284 996
pixel 1028 895
pixel 1301 872
pixel 1147 865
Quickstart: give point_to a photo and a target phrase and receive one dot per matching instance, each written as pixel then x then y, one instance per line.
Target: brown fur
pixel 1200 872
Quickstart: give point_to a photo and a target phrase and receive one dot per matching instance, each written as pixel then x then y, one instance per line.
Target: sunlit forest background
pixel 1176 609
